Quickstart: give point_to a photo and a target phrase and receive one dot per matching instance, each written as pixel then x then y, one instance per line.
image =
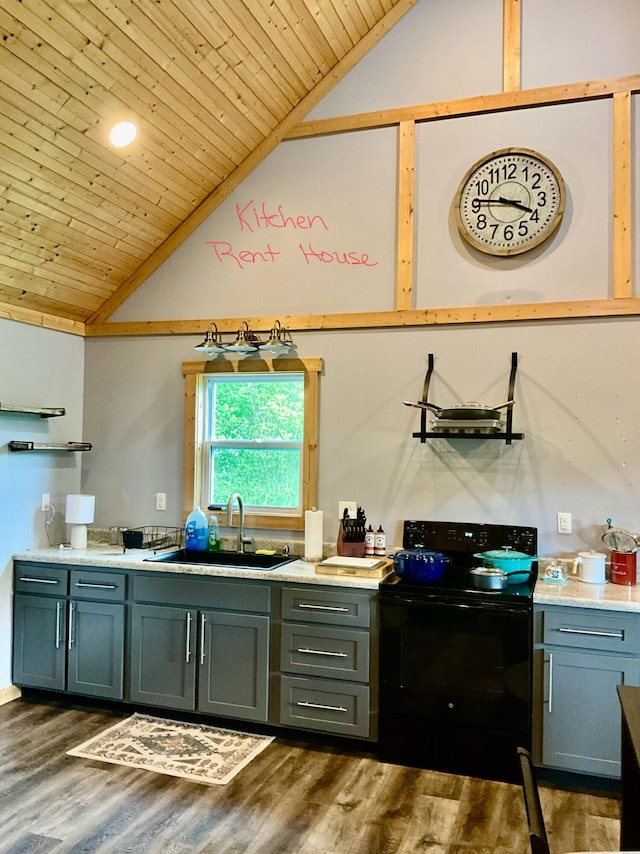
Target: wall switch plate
pixel 161 500
pixel 350 506
pixel 564 523
pixel 45 502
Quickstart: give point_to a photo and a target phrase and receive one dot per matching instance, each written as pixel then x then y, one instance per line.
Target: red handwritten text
pixel 243 257
pixel 351 258
pixel 251 218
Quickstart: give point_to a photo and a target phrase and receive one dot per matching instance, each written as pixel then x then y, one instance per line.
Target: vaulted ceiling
pixel 213 85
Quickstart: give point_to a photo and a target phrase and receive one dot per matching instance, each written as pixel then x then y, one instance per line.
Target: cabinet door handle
pixel 96 586
pixel 324 608
pixel 39 580
pixel 320 706
pixel 58 612
pixel 70 641
pixel 188 638
pixel 322 652
pixel 592 633
pixel 549 661
pixel 202 652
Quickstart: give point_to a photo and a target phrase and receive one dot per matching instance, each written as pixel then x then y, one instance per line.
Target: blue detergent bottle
pixel 196 530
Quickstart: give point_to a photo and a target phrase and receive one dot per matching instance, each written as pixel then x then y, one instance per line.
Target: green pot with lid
pixel 516 565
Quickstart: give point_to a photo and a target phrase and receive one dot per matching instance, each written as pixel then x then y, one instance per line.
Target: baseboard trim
pixel 12 692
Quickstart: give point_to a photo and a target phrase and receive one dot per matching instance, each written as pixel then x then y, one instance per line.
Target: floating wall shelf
pixel 42 411
pixel 49 446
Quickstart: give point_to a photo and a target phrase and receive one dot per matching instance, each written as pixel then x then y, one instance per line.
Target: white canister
pixel 590 567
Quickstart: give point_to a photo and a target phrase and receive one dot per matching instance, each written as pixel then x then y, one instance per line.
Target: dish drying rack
pixel 151 537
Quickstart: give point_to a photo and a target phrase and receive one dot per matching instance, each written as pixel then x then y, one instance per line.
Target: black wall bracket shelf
pixel 507 436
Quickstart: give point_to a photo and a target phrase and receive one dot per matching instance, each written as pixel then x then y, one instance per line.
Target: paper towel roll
pixel 313 534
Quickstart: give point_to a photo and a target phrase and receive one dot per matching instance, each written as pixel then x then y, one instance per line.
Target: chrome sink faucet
pixel 242 540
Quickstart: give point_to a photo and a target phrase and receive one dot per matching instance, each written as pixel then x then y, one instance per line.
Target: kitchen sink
pixel 246 560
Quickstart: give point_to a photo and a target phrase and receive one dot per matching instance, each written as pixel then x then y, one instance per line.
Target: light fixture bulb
pixel 123 134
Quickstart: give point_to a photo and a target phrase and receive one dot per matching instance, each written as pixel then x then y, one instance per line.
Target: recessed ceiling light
pixel 122 134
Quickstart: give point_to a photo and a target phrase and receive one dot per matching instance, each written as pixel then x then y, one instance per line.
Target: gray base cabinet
pixel 290 655
pixel 95 656
pixel 39 642
pixel 215 660
pixel 328 660
pixel 162 668
pixel 207 661
pixel 63 643
pixel 581 656
pixel 234 665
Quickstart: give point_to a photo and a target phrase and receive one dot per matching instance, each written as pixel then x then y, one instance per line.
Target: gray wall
pixel 38 367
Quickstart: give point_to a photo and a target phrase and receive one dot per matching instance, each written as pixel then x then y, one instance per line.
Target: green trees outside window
pixel 254 430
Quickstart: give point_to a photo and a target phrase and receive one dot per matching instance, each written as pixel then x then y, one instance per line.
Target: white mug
pixel 590 567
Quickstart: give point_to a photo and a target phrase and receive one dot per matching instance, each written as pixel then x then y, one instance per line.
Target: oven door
pixel 457 663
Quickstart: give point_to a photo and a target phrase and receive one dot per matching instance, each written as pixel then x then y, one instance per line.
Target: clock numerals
pixel 510 202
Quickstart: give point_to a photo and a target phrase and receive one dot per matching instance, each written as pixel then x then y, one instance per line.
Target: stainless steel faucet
pixel 242 540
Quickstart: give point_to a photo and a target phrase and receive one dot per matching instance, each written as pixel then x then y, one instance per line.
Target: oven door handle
pixel 453 603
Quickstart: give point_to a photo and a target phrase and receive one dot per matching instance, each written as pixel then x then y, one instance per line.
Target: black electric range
pixel 456 660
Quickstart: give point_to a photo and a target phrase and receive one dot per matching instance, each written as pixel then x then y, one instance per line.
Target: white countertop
pixel 112 557
pixel 579 594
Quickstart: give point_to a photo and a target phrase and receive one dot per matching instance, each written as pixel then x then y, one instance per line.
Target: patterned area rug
pixel 199 753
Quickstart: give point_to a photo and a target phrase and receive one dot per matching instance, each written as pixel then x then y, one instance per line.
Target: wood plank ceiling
pixel 213 85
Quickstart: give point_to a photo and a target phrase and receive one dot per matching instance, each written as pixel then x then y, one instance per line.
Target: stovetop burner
pixel 460 541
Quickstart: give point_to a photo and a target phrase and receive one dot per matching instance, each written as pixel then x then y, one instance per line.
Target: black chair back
pixel 537 832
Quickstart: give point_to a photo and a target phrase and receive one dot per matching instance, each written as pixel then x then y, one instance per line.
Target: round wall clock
pixel 510 201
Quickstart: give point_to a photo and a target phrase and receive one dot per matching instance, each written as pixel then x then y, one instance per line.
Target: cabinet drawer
pixel 329 652
pixel 336 707
pixel 603 630
pixel 194 591
pixel 335 607
pixel 101 586
pixel 41 578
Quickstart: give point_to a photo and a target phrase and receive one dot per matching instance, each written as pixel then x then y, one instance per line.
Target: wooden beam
pixel 501 102
pixel 511 41
pixel 270 142
pixel 385 319
pixel 622 196
pixel 406 192
pixel 38 318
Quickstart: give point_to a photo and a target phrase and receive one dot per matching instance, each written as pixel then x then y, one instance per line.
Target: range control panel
pixel 469 537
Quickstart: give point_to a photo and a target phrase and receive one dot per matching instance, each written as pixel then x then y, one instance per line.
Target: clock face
pixel 509 202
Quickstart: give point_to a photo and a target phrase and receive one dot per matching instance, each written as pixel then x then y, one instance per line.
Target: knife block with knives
pixel 351 534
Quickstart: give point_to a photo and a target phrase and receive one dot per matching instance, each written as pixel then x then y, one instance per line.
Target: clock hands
pixel 502 201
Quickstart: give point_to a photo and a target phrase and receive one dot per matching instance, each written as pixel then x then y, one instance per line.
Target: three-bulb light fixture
pixel 246 341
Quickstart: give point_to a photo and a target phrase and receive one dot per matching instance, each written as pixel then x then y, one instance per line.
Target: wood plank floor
pixel 294 798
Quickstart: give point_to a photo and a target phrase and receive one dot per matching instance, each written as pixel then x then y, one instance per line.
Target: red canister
pixel 624 567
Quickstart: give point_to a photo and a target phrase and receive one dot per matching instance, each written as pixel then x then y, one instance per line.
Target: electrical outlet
pixel 350 506
pixel 161 500
pixel 564 523
pixel 45 502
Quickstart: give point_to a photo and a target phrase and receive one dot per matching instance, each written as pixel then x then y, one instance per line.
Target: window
pixel 251 427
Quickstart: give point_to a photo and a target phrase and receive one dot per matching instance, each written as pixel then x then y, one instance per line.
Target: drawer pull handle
pixel 320 706
pixel 96 586
pixel 324 608
pixel 618 635
pixel 323 652
pixel 39 580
